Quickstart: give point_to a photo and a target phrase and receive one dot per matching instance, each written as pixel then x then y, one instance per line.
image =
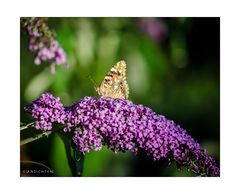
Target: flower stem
pixel 79 161
pixel 30 139
pixel 75 158
pixel 26 126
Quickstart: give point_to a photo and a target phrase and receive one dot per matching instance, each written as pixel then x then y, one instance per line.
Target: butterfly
pixel 114 84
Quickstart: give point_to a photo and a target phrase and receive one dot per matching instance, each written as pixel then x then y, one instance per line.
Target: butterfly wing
pixel 115 84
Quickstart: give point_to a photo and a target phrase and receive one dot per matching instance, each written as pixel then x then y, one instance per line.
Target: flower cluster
pixel 123 126
pixel 46 110
pixel 42 42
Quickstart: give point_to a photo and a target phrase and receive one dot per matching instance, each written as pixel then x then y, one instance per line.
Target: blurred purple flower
pixel 123 126
pixel 43 44
pixel 54 53
pixel 155 28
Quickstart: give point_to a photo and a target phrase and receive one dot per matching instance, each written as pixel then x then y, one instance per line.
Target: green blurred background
pixel 173 68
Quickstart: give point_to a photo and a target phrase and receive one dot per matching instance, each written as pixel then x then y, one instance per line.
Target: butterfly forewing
pixel 114 84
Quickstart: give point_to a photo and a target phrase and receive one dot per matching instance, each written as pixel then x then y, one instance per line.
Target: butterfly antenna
pixel 93 81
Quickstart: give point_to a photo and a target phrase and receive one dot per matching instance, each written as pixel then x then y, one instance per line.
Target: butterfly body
pixel 114 85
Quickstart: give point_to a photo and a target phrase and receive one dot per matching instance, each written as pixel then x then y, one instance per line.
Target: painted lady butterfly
pixel 114 84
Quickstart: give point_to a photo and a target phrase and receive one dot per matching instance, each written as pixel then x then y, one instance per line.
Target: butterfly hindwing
pixel 114 84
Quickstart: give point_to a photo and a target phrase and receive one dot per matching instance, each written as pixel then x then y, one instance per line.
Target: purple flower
pixel 43 44
pixel 46 110
pixel 54 53
pixel 123 126
pixel 156 29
